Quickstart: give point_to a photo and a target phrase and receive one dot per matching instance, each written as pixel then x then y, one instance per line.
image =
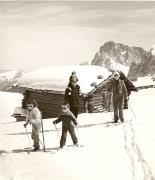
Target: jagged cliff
pixel 144 68
pixel 139 61
pixel 119 53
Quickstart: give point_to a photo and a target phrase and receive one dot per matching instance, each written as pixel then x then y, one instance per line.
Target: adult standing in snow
pixel 72 94
pixel 118 88
pixel 68 122
pixel 129 86
pixel 33 117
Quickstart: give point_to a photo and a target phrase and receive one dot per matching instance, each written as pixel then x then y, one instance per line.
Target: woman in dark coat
pixel 72 95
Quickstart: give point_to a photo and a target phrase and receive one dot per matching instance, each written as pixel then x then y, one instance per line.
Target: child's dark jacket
pixel 67 118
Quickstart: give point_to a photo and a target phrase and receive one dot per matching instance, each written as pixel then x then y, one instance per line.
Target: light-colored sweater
pixel 33 116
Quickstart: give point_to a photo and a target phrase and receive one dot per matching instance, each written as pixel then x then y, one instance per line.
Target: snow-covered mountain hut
pixel 48 86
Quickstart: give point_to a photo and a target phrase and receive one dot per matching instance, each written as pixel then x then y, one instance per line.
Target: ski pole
pixel 79 139
pixel 28 137
pixel 57 131
pixel 43 134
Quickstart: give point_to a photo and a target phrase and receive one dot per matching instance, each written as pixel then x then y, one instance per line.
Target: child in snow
pixel 68 122
pixel 33 117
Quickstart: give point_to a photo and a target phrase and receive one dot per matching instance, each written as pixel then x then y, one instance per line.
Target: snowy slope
pixel 8 75
pixel 56 78
pixel 110 152
pixel 9 78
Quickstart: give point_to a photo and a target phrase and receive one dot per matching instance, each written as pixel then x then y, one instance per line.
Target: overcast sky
pixel 39 34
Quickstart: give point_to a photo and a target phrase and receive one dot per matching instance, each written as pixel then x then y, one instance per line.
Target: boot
pixel 76 145
pixel 36 148
pixel 122 120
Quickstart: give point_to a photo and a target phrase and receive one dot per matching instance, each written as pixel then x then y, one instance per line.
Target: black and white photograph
pixel 77 89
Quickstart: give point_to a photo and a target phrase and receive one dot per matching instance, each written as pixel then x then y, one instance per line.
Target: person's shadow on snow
pixel 3 152
pixel 24 133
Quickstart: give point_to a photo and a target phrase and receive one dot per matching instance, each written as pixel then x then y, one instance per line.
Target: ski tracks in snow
pixel 6 167
pixel 139 167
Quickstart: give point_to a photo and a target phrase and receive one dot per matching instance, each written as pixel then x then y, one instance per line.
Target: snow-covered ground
pixel 123 152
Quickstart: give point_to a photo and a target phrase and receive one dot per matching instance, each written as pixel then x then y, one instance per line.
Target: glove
pixel 25 125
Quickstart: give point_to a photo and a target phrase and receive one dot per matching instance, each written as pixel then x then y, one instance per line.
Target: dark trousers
pixel 75 111
pixel 118 103
pixel 64 135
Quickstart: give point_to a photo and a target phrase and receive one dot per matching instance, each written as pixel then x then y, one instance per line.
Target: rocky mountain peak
pixel 113 55
pixel 118 53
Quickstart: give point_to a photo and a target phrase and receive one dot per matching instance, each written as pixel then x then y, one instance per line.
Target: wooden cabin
pixel 49 100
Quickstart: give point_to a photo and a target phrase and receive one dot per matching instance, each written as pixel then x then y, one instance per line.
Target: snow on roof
pixel 144 81
pixel 57 78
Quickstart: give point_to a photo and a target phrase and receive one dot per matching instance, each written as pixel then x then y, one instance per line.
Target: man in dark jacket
pixel 118 88
pixel 68 123
pixel 72 95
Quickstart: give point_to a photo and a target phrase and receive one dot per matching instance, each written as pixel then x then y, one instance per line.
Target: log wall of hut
pixel 50 103
pixel 99 101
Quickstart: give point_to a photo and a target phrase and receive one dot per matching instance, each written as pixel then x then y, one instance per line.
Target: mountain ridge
pixel 139 61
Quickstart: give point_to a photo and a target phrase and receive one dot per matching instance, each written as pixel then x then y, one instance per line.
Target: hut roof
pixel 140 83
pixel 57 78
